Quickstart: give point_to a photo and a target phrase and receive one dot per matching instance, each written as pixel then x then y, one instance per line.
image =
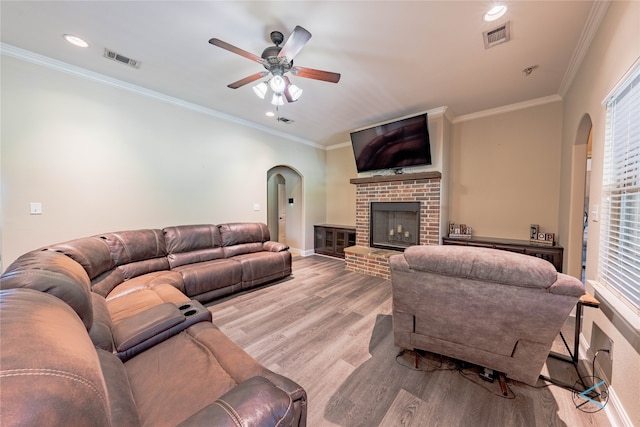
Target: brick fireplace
pixel 424 187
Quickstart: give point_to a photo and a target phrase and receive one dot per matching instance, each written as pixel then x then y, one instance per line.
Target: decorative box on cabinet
pixel 332 239
pixel 553 254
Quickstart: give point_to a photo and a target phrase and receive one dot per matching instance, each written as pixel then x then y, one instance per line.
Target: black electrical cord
pixel 593 362
pixel 462 368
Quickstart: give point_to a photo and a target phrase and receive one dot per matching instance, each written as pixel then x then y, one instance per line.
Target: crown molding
pixel 339 145
pixel 596 15
pixel 54 64
pixel 508 108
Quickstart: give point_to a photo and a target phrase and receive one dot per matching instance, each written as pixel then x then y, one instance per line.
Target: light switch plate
pixel 35 208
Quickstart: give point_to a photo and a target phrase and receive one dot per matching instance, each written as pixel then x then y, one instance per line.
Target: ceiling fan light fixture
pixel 294 92
pixel 261 89
pixel 495 12
pixel 277 84
pixel 277 99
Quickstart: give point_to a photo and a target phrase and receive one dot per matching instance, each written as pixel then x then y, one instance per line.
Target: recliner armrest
pixel 147 328
pixel 272 246
pixel 254 402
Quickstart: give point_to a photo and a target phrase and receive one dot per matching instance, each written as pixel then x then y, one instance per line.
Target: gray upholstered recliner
pixel 493 308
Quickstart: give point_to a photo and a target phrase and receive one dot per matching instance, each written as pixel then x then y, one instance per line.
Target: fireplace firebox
pixel 394 225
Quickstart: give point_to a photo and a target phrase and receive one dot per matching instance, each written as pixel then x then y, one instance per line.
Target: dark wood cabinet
pixel 331 239
pixel 553 254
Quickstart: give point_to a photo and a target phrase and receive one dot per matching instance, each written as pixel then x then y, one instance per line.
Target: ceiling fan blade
pixel 296 41
pixel 246 80
pixel 236 50
pixel 310 73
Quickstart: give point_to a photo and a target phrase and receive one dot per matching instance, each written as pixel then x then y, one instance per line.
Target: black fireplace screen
pixel 394 225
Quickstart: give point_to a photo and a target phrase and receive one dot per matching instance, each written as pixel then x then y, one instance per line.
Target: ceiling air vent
pixel 285 120
pixel 497 35
pixel 109 54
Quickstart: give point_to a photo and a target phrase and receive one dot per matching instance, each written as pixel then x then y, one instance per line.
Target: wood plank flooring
pixel 330 330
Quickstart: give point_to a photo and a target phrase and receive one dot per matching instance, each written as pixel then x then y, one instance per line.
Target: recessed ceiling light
pixel 75 40
pixel 270 114
pixel 495 12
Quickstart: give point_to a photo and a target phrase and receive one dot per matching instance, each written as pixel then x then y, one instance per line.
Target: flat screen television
pixel 393 145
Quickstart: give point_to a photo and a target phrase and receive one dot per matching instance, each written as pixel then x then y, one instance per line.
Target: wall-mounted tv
pixel 393 145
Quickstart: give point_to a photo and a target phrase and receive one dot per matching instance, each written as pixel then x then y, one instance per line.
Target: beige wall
pixel 613 51
pixel 505 171
pixel 100 159
pixel 341 194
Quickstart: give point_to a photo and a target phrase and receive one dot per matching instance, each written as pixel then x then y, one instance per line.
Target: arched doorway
pixel 583 144
pixel 284 206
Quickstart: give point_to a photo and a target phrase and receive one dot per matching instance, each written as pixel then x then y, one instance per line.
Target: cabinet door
pixel 330 240
pixel 342 239
pixel 320 241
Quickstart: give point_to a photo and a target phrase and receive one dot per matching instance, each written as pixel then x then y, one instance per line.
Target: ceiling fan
pixel 278 60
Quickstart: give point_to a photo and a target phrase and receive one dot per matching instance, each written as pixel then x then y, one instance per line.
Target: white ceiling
pixel 396 58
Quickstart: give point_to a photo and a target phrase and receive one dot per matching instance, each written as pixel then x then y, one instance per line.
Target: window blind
pixel 619 267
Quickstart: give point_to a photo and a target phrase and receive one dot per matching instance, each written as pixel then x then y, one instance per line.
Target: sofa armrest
pixel 254 402
pixel 272 246
pixel 147 328
pixel 567 285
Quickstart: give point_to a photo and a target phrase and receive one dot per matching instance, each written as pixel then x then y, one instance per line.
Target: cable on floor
pixel 446 364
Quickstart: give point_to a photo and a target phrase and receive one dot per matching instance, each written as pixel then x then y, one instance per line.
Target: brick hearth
pixel 418 187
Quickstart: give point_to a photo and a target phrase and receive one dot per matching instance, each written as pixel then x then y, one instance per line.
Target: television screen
pixel 392 145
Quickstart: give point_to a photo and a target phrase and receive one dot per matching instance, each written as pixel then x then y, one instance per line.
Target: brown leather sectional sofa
pixel 110 330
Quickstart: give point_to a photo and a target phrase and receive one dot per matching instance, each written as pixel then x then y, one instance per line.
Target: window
pixel 619 267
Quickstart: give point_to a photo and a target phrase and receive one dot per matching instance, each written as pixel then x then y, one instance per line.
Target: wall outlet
pixel 609 346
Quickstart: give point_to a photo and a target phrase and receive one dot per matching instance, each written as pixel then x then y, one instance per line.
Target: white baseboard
pixel 300 252
pixel 614 410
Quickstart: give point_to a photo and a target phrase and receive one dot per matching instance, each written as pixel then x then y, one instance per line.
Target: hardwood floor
pixel 330 330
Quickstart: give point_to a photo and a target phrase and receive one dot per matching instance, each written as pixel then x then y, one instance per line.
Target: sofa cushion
pixel 262 267
pixel 208 276
pixel 210 354
pixel 243 238
pixel 143 292
pixel 135 245
pixel 243 232
pixel 123 408
pixel 100 332
pixel 483 264
pixel 185 383
pixel 92 253
pixel 55 274
pixel 50 372
pixel 138 268
pixel 242 248
pixel 187 244
pixel 107 281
